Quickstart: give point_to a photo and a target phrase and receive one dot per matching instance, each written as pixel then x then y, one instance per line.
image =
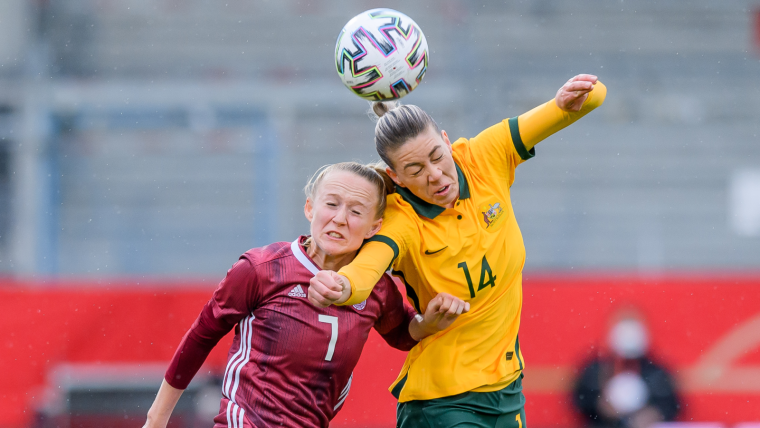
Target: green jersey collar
pixel 429 210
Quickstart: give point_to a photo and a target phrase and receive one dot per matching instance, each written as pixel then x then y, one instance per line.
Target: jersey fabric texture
pixel 290 363
pixel 473 251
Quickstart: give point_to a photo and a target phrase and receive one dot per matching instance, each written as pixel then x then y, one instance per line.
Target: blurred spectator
pixel 625 387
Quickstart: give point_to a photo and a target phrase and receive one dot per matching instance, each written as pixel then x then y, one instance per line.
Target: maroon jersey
pixel 290 363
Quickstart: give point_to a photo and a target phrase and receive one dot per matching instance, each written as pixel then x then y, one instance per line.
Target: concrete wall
pixel 642 184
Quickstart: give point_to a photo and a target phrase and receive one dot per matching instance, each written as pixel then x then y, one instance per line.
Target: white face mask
pixel 629 339
pixel 626 392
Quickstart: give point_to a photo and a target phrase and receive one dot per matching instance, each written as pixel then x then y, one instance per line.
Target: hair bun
pixel 379 168
pixel 382 107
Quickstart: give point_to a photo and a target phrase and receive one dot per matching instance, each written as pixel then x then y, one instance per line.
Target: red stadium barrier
pixel 706 329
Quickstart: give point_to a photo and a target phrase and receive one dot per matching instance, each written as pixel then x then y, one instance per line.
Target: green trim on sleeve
pixel 389 242
pixel 514 130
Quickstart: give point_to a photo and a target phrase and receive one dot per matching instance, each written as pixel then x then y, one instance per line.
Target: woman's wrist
pixel 420 329
pixel 428 327
pixel 346 292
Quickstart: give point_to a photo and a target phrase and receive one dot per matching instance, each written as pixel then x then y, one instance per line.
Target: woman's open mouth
pixel 335 235
pixel 443 191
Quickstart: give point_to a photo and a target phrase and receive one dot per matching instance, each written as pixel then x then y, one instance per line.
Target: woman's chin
pixel 337 248
pixel 444 200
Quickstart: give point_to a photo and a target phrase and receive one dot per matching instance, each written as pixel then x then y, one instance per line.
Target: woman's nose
pixel 340 216
pixel 436 174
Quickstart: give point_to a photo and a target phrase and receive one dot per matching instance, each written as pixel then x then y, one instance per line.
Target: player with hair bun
pixel 449 227
pixel 291 363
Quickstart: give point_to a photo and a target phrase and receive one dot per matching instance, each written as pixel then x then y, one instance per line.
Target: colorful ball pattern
pixel 381 54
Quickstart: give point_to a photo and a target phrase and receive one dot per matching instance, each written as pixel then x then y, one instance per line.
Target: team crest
pixel 360 306
pixel 491 213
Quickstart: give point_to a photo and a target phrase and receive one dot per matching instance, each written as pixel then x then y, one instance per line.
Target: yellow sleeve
pixel 366 269
pixel 379 252
pixel 546 119
pixel 499 149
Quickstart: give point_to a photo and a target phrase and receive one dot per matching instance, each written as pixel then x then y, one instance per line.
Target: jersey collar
pixel 301 255
pixel 429 210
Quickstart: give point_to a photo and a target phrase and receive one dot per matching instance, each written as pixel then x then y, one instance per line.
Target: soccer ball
pixel 381 54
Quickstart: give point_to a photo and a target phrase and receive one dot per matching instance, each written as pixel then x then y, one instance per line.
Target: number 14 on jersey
pixel 486 276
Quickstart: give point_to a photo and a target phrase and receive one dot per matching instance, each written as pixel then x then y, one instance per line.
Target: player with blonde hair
pixel 291 363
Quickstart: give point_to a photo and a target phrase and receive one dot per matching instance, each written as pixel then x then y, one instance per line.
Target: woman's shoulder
pixel 398 208
pixel 268 253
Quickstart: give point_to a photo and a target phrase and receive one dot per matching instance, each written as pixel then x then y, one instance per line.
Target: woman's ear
pixel 375 228
pixel 392 174
pixel 445 138
pixel 307 210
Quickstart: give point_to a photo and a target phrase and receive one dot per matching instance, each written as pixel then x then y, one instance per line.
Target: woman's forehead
pixel 419 147
pixel 348 185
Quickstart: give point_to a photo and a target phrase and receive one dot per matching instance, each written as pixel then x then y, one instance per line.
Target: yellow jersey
pixel 473 251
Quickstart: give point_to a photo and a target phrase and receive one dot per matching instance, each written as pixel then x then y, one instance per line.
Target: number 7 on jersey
pixel 333 321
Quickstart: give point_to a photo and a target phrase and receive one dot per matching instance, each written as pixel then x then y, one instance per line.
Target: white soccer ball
pixel 381 54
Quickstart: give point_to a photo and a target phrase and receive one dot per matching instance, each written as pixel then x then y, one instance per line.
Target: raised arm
pixel 576 98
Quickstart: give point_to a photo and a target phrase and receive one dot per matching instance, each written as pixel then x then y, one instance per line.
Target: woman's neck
pixel 327 261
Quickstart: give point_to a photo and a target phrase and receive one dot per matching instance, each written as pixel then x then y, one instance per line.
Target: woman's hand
pixel 571 96
pixel 440 313
pixel 327 288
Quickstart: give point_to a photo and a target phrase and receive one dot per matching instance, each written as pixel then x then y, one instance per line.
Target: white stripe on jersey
pixel 232 361
pixel 344 394
pixel 239 358
pixel 347 387
pixel 245 357
pixel 240 420
pixel 229 414
pixel 295 248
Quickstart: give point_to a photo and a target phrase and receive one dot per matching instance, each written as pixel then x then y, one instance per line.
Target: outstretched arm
pixel 576 98
pixel 219 315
